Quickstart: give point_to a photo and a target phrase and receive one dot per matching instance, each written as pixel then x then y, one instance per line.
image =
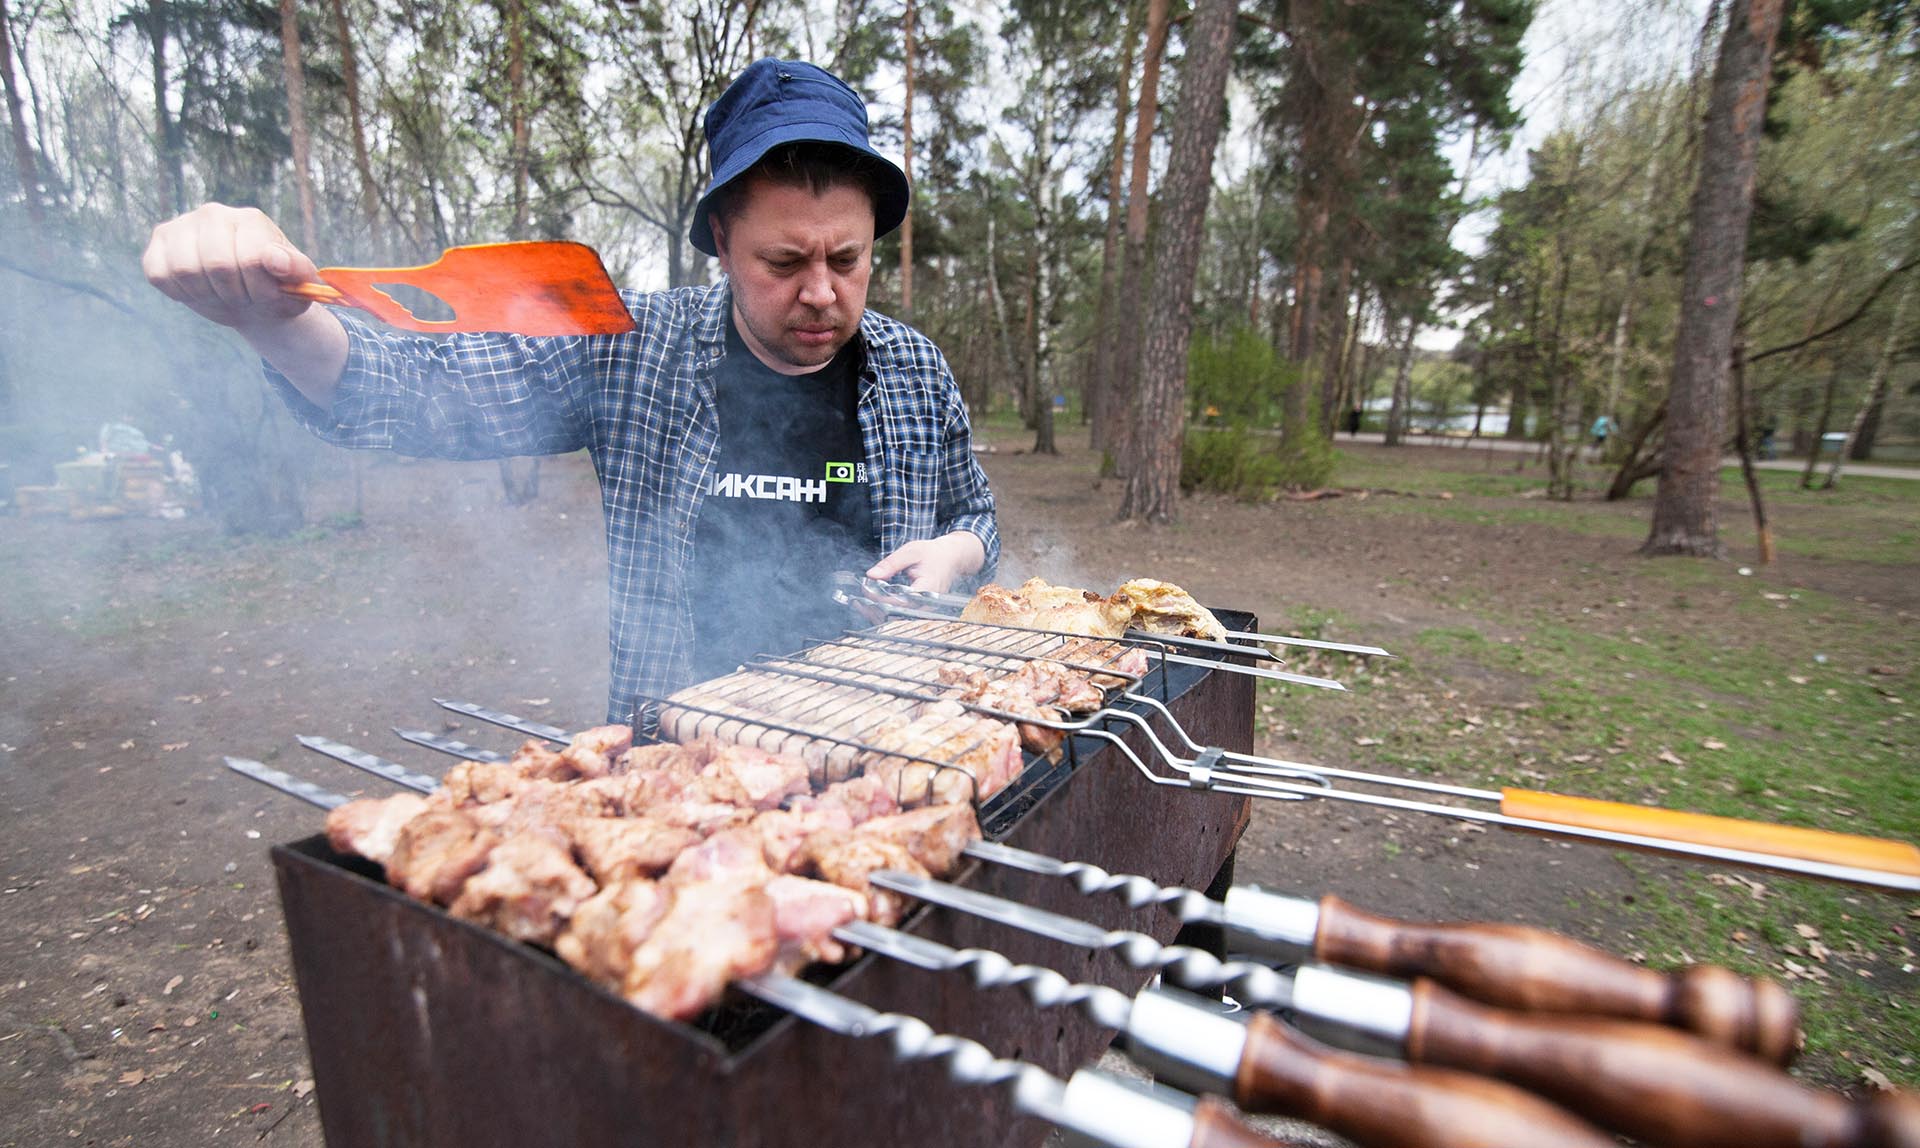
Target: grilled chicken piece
pixel 528 889
pixel 482 782
pixel 605 930
pixel 782 830
pixel 1163 608
pixel 549 803
pixel 846 858
pixel 437 852
pixel 732 855
pixel 712 933
pixel 762 779
pixel 534 760
pixel 369 827
pixel 592 752
pixel 666 757
pixel 933 835
pixel 981 755
pixel 806 912
pixel 1040 606
pixel 863 798
pixel 616 849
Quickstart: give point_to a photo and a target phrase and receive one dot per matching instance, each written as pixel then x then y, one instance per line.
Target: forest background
pixel 1350 230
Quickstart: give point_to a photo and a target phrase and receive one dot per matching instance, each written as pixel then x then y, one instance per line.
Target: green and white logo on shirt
pixel 846 472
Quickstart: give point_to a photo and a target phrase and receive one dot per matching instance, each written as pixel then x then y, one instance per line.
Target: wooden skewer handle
pixel 1876 853
pixel 1654 1084
pixel 1215 1126
pixel 1386 1104
pixel 1517 967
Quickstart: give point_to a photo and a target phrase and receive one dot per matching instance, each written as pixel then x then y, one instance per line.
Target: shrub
pixel 1306 458
pixel 1232 461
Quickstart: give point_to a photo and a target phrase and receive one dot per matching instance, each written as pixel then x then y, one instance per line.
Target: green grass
pixel 1871 520
pixel 1759 731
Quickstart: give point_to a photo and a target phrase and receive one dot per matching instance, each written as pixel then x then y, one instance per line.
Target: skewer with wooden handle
pixel 1513 966
pixel 1096 1107
pixel 1267 1067
pixel 1652 1083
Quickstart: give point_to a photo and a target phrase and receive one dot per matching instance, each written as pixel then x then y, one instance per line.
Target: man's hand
pixel 934 563
pixel 228 264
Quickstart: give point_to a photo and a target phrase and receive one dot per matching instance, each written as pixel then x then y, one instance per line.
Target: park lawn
pixel 1863 519
pixel 1796 720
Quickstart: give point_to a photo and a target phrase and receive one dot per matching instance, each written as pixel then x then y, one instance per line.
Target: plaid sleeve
pixel 966 501
pixel 463 397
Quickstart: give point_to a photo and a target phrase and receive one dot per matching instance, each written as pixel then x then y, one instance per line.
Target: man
pixel 750 437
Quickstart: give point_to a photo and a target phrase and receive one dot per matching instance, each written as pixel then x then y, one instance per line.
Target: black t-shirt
pixel 788 506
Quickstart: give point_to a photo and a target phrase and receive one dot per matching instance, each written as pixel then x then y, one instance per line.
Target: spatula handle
pixel 318 292
pixel 1536 971
pixel 1385 1104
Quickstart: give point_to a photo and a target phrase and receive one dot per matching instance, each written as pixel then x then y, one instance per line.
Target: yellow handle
pixel 1877 853
pixel 318 292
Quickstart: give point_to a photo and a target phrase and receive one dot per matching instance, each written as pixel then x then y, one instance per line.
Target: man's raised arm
pixel 229 264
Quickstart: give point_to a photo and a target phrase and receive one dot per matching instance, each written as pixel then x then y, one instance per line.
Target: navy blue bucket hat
pixel 775 102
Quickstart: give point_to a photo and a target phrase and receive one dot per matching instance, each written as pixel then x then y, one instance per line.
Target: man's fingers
pixel 893 563
pixel 220 263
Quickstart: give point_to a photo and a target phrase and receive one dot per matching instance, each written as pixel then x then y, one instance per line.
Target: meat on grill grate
pixel 667 876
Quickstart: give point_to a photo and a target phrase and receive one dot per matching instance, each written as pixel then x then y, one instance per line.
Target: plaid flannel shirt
pixel 643 405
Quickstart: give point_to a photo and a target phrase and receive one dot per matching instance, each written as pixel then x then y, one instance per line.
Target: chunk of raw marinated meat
pixel 935 835
pixel 592 752
pixel 528 889
pixel 370 826
pixel 604 931
pixel 619 848
pixel 437 852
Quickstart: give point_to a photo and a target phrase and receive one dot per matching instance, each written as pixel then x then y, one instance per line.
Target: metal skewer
pixel 957 603
pixel 1106 1109
pixel 1267 778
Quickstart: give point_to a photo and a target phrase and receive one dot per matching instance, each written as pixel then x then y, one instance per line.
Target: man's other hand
pixel 933 563
pixel 228 264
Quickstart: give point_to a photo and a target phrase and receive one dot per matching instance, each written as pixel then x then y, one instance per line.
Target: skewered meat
pixel 482 782
pixel 534 760
pixel 549 803
pixel 713 932
pixel 763 779
pixel 845 859
pixel 528 889
pixel 370 827
pixel 607 927
pixel 933 835
pixel 592 752
pixel 1163 608
pixel 806 912
pixel 616 849
pixel 782 830
pixel 436 852
pixel 668 757
pixel 863 798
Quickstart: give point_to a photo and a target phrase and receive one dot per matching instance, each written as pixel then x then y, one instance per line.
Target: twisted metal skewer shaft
pixel 1189 905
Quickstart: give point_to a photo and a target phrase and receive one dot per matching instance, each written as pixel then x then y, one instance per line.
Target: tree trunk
pixel 1560 453
pixel 1125 397
pixel 1336 348
pixel 1820 428
pixel 171 167
pixel 1402 388
pixel 1684 520
pixel 1743 440
pixel 24 162
pixel 356 122
pixel 1100 394
pixel 294 70
pixel 1634 468
pixel 1014 376
pixel 519 493
pixel 518 122
pixel 1876 387
pixel 1153 485
pixel 906 165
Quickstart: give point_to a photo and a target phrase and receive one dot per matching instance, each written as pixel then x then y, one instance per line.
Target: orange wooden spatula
pixel 545 288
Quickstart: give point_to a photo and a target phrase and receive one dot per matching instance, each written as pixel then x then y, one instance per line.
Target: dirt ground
pixel 146 997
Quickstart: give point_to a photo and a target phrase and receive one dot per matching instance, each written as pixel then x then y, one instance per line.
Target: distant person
pixel 1602 428
pixel 1354 415
pixel 750 437
pixel 1768 448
